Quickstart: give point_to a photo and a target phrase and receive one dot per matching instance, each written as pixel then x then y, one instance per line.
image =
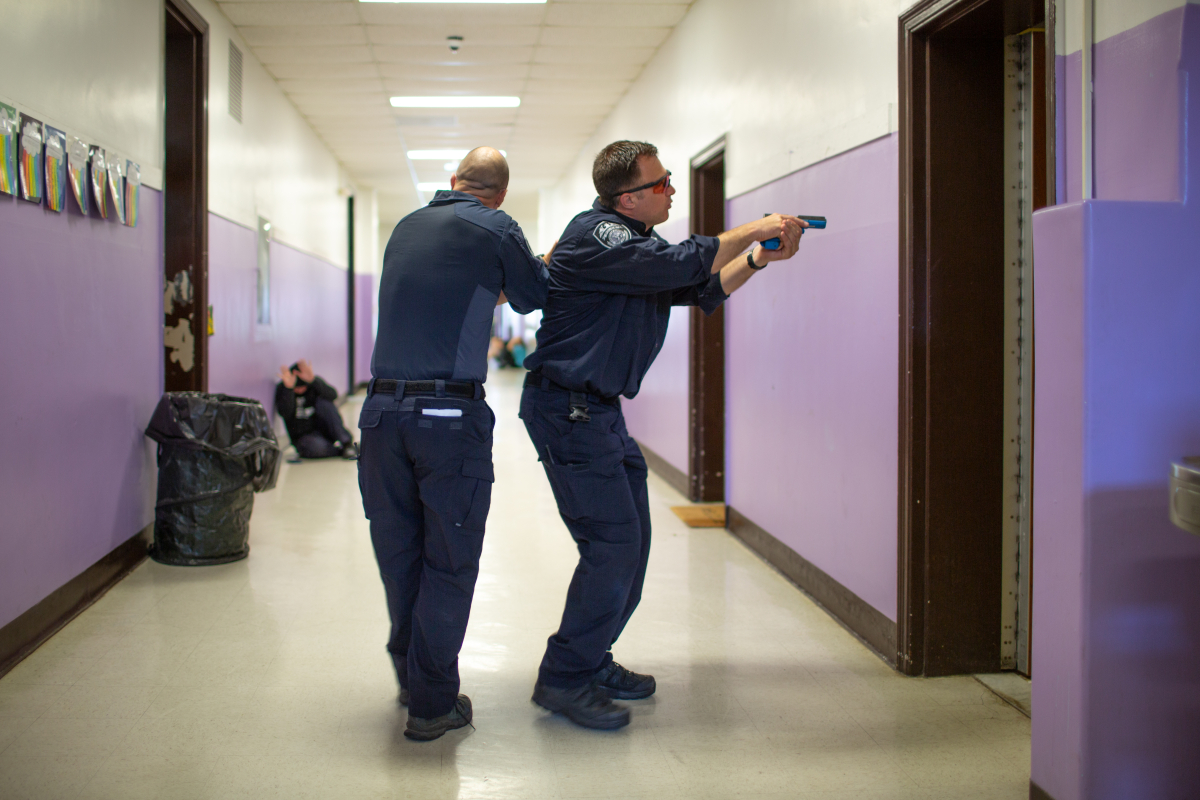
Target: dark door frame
pixel 185 183
pixel 951 312
pixel 706 341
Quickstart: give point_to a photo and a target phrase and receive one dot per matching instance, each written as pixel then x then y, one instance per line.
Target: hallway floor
pixel 268 678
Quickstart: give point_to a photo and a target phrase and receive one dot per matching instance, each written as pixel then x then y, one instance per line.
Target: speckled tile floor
pixel 268 678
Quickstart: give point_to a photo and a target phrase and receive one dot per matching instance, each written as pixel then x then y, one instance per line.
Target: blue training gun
pixel 813 222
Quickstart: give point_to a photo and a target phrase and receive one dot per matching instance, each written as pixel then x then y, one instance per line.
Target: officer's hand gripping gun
pixel 813 222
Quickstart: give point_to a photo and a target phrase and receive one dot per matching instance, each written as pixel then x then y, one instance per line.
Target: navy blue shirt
pixel 443 271
pixel 612 285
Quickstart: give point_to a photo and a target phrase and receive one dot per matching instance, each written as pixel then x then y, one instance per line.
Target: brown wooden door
pixel 706 349
pixel 953 328
pixel 185 201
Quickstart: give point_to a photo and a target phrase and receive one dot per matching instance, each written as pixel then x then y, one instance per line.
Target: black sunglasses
pixel 659 186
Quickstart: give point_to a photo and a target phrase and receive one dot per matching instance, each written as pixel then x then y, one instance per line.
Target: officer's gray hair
pixel 484 171
pixel 616 168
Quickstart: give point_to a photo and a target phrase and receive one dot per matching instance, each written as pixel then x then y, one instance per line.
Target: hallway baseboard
pixel 27 632
pixel 1038 793
pixel 670 473
pixel 859 617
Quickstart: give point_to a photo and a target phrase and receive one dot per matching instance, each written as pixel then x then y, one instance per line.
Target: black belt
pixel 466 389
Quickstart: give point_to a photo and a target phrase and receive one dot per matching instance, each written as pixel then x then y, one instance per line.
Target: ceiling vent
pixel 235 82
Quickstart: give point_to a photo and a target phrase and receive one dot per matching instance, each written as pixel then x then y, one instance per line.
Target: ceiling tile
pixel 453 15
pixel 481 86
pixel 339 61
pixel 348 54
pixel 616 72
pixel 437 72
pixel 329 71
pixel 592 55
pixel 615 15
pixel 507 35
pixel 292 13
pixel 441 55
pixel 596 36
pixel 304 34
pixel 323 84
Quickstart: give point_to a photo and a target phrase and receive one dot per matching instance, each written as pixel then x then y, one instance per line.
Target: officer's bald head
pixel 483 173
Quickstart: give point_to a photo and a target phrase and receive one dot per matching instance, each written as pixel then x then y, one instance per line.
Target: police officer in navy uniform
pixel 425 468
pixel 613 281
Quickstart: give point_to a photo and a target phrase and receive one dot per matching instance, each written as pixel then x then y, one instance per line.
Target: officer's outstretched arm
pixel 738 271
pixel 734 242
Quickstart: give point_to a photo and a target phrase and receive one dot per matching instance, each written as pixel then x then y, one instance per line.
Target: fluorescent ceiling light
pixel 442 155
pixel 456 102
pixel 450 166
pixel 433 187
pixel 452 1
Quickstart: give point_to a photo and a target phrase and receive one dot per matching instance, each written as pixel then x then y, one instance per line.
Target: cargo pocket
pixel 596 491
pixel 369 418
pixel 481 498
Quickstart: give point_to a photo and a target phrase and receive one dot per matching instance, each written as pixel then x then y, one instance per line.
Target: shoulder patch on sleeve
pixel 611 234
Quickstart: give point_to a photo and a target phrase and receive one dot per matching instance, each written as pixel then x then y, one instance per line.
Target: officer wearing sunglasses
pixel 613 281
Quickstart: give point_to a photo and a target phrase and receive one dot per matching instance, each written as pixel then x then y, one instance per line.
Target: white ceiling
pixel 340 60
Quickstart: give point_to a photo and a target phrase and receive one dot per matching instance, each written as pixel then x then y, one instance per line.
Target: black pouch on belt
pixel 579 408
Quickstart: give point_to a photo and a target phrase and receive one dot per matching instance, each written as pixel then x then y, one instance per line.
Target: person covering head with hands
pixel 426 465
pixel 305 403
pixel 613 281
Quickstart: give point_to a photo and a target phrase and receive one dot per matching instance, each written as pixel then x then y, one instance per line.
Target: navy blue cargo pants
pixel 598 477
pixel 425 471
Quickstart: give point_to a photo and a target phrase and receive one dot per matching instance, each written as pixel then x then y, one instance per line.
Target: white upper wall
pixel 93 69
pixel 272 164
pixel 789 82
pixel 1110 18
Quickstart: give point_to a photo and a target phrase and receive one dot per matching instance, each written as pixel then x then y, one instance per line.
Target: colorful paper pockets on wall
pixel 39 162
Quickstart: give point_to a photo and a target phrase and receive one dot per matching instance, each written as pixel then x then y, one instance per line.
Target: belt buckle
pixel 579 408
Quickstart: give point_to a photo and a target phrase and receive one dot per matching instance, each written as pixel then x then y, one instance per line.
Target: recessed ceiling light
pixel 433 187
pixel 452 1
pixel 442 155
pixel 456 102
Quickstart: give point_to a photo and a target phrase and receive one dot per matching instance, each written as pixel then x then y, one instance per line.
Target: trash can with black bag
pixel 214 452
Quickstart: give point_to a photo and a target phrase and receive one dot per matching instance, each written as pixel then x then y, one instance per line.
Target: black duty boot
pixel 403 698
pixel 588 706
pixel 426 730
pixel 621 684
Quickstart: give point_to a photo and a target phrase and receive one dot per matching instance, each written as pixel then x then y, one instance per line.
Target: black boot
pixel 588 706
pixel 622 684
pixel 426 730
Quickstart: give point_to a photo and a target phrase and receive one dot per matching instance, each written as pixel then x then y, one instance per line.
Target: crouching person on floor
pixel 305 402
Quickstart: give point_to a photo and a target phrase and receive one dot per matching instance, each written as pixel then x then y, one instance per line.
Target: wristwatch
pixel 750 261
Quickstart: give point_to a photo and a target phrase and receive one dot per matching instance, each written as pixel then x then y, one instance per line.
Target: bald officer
pixel 425 468
pixel 613 281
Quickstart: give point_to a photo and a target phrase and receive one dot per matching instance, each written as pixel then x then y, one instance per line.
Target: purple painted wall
pixel 81 323
pixel 364 326
pixel 811 378
pixel 658 416
pixel 1139 102
pixel 1116 590
pixel 308 314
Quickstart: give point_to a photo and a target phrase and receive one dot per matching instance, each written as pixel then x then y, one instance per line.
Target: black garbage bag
pixel 214 452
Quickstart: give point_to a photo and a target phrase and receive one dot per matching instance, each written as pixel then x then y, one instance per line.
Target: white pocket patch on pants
pixel 442 412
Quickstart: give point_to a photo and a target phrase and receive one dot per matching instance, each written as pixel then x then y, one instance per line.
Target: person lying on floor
pixel 312 420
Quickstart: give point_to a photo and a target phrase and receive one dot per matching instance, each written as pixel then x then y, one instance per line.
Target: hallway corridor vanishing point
pixel 268 677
